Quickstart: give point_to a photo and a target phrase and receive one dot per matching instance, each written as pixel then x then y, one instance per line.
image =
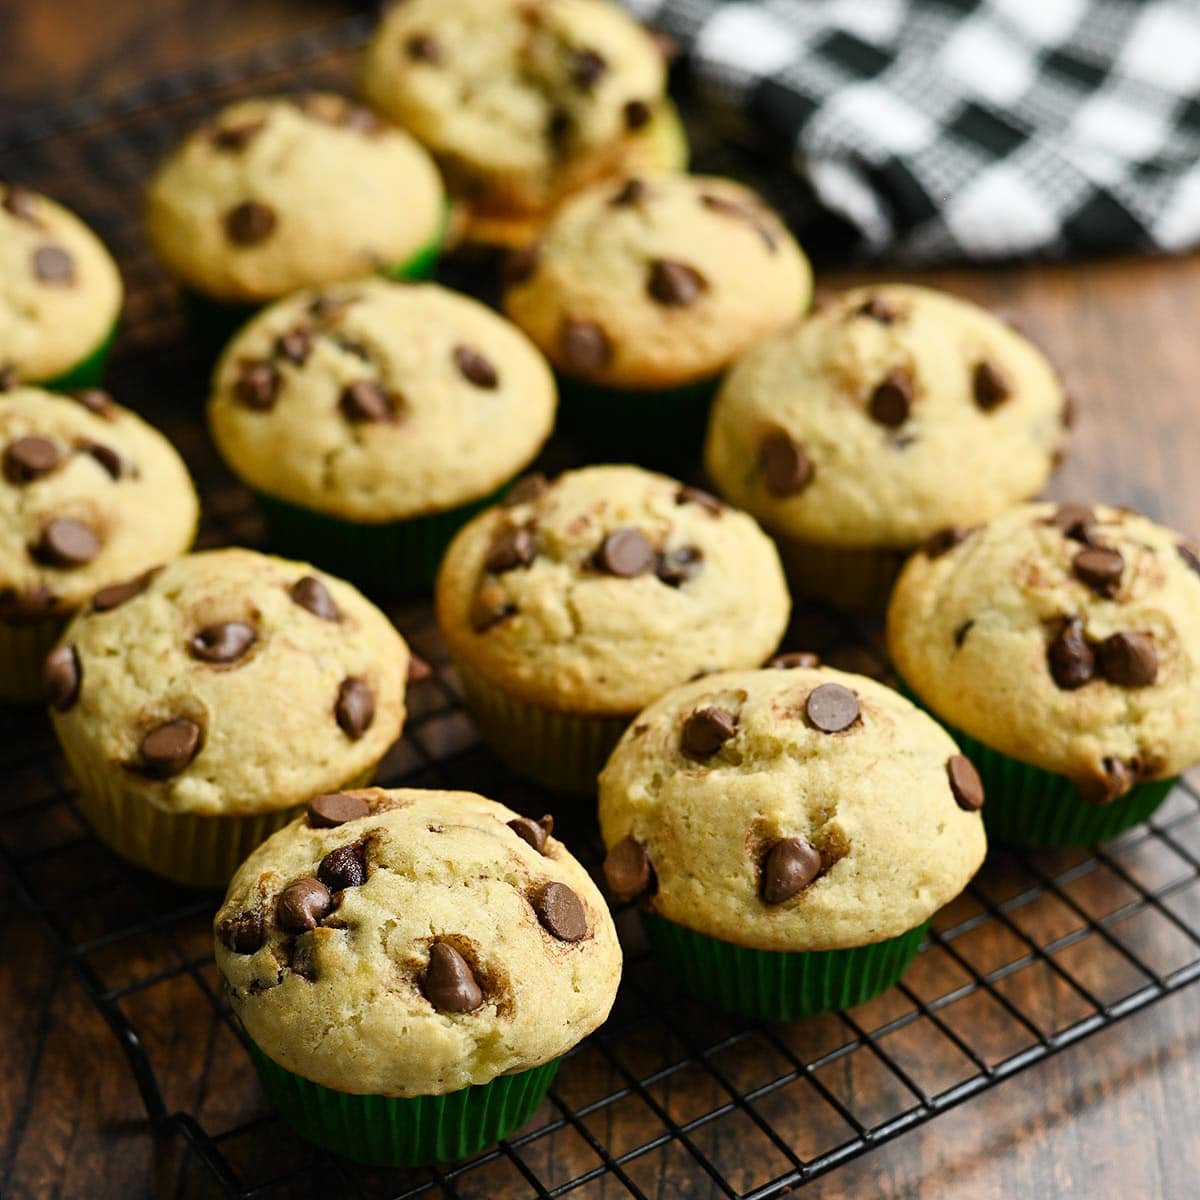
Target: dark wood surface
pixel 1115 1116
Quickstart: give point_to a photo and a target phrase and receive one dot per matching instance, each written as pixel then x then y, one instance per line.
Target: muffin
pixel 374 418
pixel 890 413
pixel 89 495
pixel 573 604
pixel 200 705
pixel 788 834
pixel 523 102
pixel 642 292
pixel 1061 645
pixel 279 193
pixel 63 294
pixel 408 966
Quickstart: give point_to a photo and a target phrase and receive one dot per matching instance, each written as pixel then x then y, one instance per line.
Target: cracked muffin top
pixel 793 809
pixel 1064 636
pixel 60 292
pixel 228 683
pixel 410 943
pixel 89 494
pixel 886 414
pixel 658 283
pixel 375 401
pixel 520 100
pixel 279 193
pixel 597 592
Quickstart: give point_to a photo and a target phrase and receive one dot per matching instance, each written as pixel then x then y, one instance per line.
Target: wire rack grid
pixel 669 1097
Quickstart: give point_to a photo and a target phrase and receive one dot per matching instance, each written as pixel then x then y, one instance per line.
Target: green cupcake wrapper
pixel 23 649
pixel 1027 806
pixel 87 372
pixel 774 985
pixel 853 577
pixel 561 751
pixel 404 1131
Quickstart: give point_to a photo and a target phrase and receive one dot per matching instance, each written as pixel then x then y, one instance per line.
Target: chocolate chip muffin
pixel 89 495
pixel 374 418
pixel 522 101
pixel 1063 642
pixel 199 705
pixel 789 834
pixel 575 603
pixel 888 414
pixel 279 193
pixel 62 294
pixel 643 291
pixel 409 966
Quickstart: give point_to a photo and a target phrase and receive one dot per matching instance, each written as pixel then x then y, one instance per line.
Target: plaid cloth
pixel 983 129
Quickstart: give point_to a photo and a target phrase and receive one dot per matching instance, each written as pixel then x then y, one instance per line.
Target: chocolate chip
pixel 960 634
pixel 295 345
pixel 488 611
pixel 676 567
pixel 786 468
pixel 587 66
pixel 423 47
pixel 365 400
pixel 257 385
pixel 793 660
pixel 66 542
pixel 533 832
pixel 302 905
pixel 990 386
pixel 706 730
pixel 224 643
pixel 345 867
pixel 107 457
pixel 631 192
pixel 1191 557
pixel 892 399
pixel 236 138
pixel 8 378
pixel 561 912
pixel 1128 659
pixel 628 871
pixel 330 308
pixel 965 783
pixel 513 546
pixel 336 808
pixel 527 490
pixel 61 677
pixel 832 708
pixel 520 265
pixel 418 669
pixel 558 126
pixel 168 748
pixel 706 500
pixel 116 594
pixel 355 708
pixel 29 458
pixel 96 401
pixel 675 284
pixel 449 984
pixel 21 202
pixel 637 114
pixel 249 223
pixel 731 208
pixel 53 264
pixel 1075 521
pixel 1100 568
pixel 242 932
pixel 475 368
pixel 311 594
pixel 790 866
pixel 944 541
pixel 626 553
pixel 1118 780
pixel 584 346
pixel 878 309
pixel 1071 660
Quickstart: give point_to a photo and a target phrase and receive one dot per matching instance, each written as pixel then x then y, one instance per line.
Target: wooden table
pixel 1113 1116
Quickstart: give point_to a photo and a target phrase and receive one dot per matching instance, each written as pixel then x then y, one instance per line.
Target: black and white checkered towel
pixel 982 129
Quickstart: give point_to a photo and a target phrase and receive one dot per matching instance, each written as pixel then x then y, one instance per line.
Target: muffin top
pixel 596 593
pixel 229 683
pixel 409 943
pixel 519 99
pixel 659 282
pixel 887 414
pixel 376 401
pixel 89 494
pixel 1063 636
pixel 280 193
pixel 59 288
pixel 794 809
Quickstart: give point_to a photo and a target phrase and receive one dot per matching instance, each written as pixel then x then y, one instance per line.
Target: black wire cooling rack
pixel 669 1097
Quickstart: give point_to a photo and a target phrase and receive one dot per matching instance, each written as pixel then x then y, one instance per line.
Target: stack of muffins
pixel 408 966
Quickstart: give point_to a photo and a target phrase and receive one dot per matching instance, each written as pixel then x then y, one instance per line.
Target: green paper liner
pixel 561 751
pixel 853 577
pixel 1027 806
pixel 404 1131
pixel 775 985
pixel 88 371
pixel 23 649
